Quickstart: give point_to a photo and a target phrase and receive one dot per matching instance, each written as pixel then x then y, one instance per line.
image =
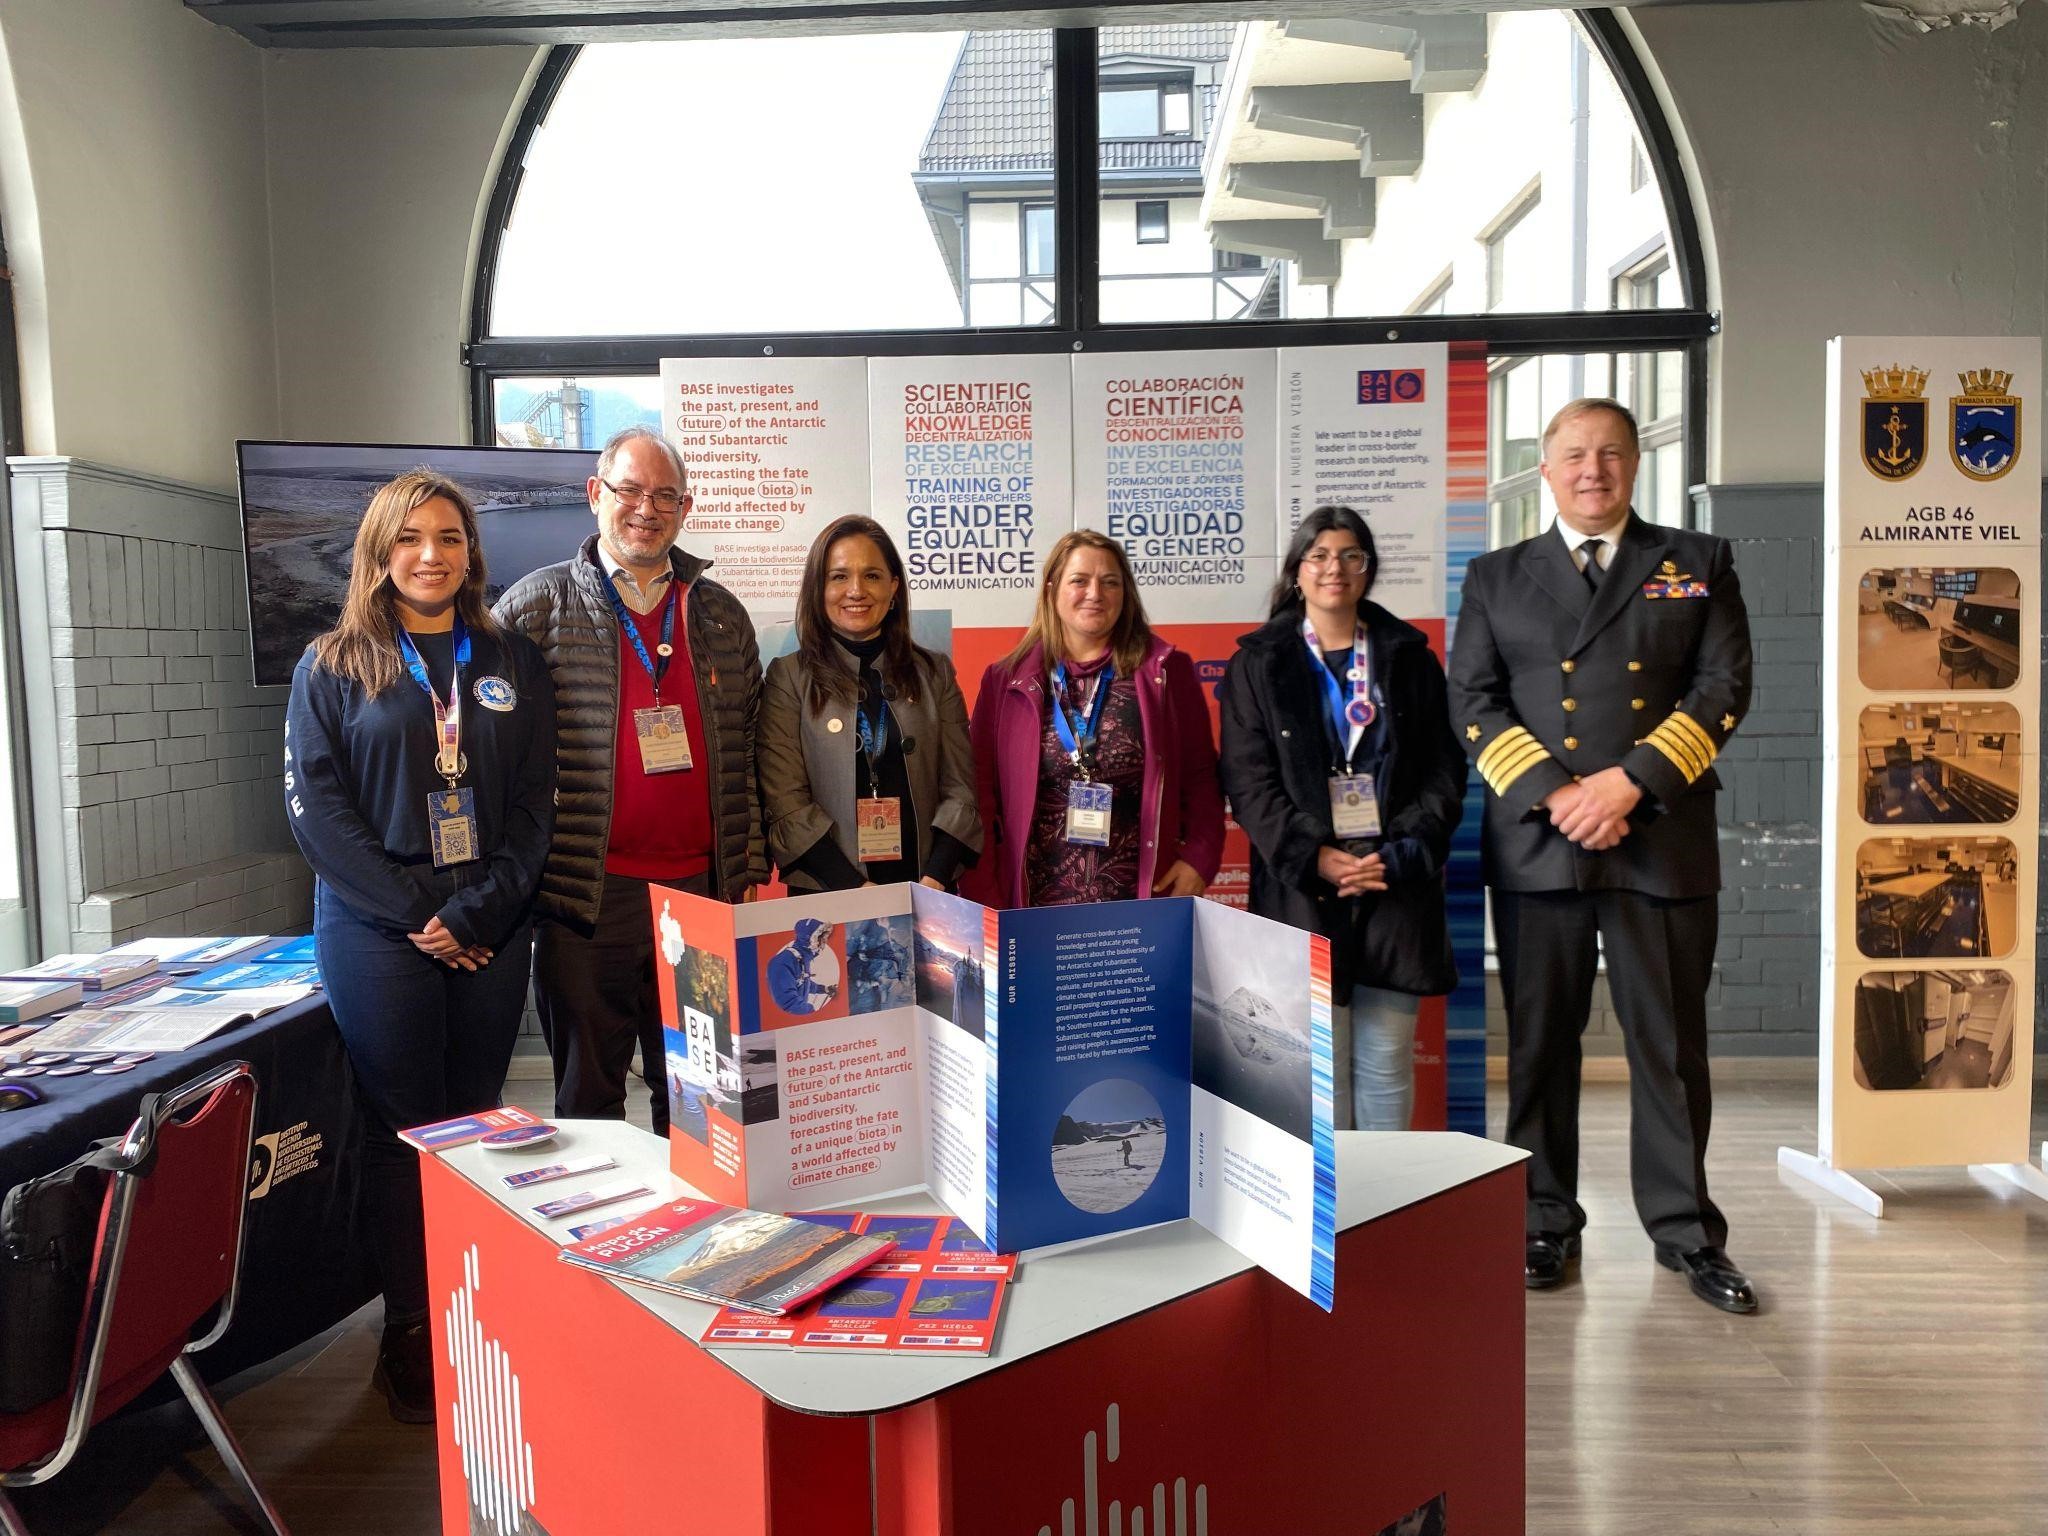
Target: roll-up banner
pixel 1931 780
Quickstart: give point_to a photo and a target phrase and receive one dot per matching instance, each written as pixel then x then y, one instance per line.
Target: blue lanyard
pixel 1345 722
pixel 655 670
pixel 448 716
pixel 873 735
pixel 1079 745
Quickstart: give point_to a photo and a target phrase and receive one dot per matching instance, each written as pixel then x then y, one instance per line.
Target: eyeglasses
pixel 1351 559
pixel 630 496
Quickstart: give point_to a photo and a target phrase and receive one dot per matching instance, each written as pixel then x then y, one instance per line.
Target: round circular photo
pixel 1109 1146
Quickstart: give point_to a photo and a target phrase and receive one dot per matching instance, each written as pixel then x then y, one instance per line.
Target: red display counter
pixel 1153 1384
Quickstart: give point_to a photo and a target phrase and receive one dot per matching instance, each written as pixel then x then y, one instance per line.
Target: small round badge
pixel 664 649
pixel 496 693
pixel 135 1058
pixel 49 1058
pixel 1360 712
pixel 29 1071
pixel 519 1136
pixel 113 1069
pixel 1355 674
pixel 71 1071
pixel 93 1058
pixel 835 726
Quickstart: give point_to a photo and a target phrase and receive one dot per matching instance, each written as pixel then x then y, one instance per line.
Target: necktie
pixel 1591 571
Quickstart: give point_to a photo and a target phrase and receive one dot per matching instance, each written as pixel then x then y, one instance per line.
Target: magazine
pixel 939 1291
pixel 21 1001
pixel 1046 1074
pixel 168 1019
pixel 193 954
pixel 94 972
pixel 238 976
pixel 730 1257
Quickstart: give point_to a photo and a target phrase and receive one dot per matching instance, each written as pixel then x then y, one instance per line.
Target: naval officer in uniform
pixel 1599 669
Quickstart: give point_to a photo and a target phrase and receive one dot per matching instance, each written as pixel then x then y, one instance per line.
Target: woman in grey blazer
pixel 866 772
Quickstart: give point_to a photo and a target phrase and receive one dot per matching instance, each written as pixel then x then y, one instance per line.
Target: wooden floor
pixel 1896 1381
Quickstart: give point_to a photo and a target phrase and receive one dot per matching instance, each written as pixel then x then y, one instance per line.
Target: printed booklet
pixel 938 1291
pixel 1047 1073
pixel 756 1260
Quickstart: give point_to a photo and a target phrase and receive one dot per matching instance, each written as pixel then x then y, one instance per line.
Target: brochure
pixel 1047 1074
pixel 94 972
pixel 462 1130
pixel 297 951
pixel 937 1291
pixel 233 978
pixel 166 1019
pixel 729 1257
pixel 191 954
pixel 21 1001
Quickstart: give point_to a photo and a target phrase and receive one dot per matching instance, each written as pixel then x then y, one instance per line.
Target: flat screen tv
pixel 302 503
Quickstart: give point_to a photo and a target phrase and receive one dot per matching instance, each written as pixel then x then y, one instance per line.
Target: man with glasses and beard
pixel 657 681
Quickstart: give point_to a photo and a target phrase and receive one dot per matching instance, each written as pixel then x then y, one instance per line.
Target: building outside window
pixel 1153 226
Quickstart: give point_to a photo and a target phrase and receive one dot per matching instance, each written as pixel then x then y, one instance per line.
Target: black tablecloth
pixel 304 1264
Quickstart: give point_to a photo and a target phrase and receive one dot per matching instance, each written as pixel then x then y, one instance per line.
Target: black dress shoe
pixel 1712 1276
pixel 1547 1259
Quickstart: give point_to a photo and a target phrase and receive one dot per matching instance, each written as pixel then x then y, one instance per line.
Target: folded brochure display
pixel 1047 1074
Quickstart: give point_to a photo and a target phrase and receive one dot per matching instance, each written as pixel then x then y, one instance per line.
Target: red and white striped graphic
pixel 497 1459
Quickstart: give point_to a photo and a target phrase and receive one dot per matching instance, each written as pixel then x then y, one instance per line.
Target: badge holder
pixel 451 817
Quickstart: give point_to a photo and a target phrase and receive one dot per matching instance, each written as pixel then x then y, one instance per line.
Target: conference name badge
pixel 1670 581
pixel 1088 813
pixel 496 693
pixel 664 739
pixel 879 828
pixel 451 826
pixel 1354 805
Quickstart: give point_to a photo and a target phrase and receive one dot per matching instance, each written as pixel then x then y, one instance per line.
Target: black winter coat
pixel 563 609
pixel 1275 768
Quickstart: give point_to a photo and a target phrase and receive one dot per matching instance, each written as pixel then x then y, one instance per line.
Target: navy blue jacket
pixel 358 771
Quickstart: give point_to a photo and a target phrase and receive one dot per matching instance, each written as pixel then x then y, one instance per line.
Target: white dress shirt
pixel 640 600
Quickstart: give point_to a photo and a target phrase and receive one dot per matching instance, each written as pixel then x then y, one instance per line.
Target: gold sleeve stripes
pixel 1508 756
pixel 1685 742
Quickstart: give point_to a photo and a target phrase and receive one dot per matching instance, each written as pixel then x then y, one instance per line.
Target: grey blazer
pixel 807 771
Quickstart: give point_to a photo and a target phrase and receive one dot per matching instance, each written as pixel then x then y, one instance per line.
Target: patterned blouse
pixel 1060 873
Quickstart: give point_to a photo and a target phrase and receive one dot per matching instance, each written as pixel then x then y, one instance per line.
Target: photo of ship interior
pixel 1940 763
pixel 1934 1029
pixel 1920 628
pixel 1923 898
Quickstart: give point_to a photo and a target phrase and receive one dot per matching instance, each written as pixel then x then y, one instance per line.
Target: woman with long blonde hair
pixel 1095 764
pixel 419 780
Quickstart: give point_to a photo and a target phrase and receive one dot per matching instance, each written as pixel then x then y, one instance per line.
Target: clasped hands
pixel 1351 873
pixel 1593 812
pixel 437 942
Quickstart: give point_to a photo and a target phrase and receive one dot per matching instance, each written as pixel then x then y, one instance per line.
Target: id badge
pixel 451 826
pixel 879 824
pixel 1354 807
pixel 1088 814
pixel 664 739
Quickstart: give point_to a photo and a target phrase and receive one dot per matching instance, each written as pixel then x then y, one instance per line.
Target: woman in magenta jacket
pixel 1093 756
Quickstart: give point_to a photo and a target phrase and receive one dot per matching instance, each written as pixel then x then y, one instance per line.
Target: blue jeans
pixel 1373 1051
pixel 427 1043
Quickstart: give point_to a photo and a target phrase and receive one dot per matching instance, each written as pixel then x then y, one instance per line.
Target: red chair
pixel 168 1252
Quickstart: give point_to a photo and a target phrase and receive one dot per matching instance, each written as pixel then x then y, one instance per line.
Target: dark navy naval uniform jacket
pixel 1551 682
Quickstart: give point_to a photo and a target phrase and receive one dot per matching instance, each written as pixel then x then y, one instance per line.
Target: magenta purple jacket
pixel 1180 810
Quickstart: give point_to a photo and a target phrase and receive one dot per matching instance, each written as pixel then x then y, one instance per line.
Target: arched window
pixel 1502 178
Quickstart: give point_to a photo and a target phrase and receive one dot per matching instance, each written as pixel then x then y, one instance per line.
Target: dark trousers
pixel 1660 954
pixel 427 1043
pixel 597 1002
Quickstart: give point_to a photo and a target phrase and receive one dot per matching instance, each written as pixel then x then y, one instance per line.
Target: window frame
pixel 1165 235
pixel 1076 323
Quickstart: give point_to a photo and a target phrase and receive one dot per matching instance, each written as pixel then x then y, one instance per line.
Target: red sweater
pixel 661 823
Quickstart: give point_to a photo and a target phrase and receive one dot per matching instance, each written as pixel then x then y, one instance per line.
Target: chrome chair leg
pixel 10 1518
pixel 223 1439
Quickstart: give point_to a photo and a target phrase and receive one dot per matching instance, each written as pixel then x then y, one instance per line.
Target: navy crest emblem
pixel 1894 421
pixel 496 693
pixel 1984 424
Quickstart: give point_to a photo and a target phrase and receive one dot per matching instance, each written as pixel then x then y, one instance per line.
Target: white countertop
pixel 1060 1293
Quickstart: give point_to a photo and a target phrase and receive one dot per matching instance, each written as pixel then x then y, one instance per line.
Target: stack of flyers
pixel 298 951
pixel 182 956
pixel 939 1291
pixel 443 1134
pixel 244 974
pixel 95 972
pixel 609 1193
pixel 728 1256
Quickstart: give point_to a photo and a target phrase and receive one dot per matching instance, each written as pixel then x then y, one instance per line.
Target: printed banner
pixel 776 448
pixel 1932 771
pixel 1173 458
